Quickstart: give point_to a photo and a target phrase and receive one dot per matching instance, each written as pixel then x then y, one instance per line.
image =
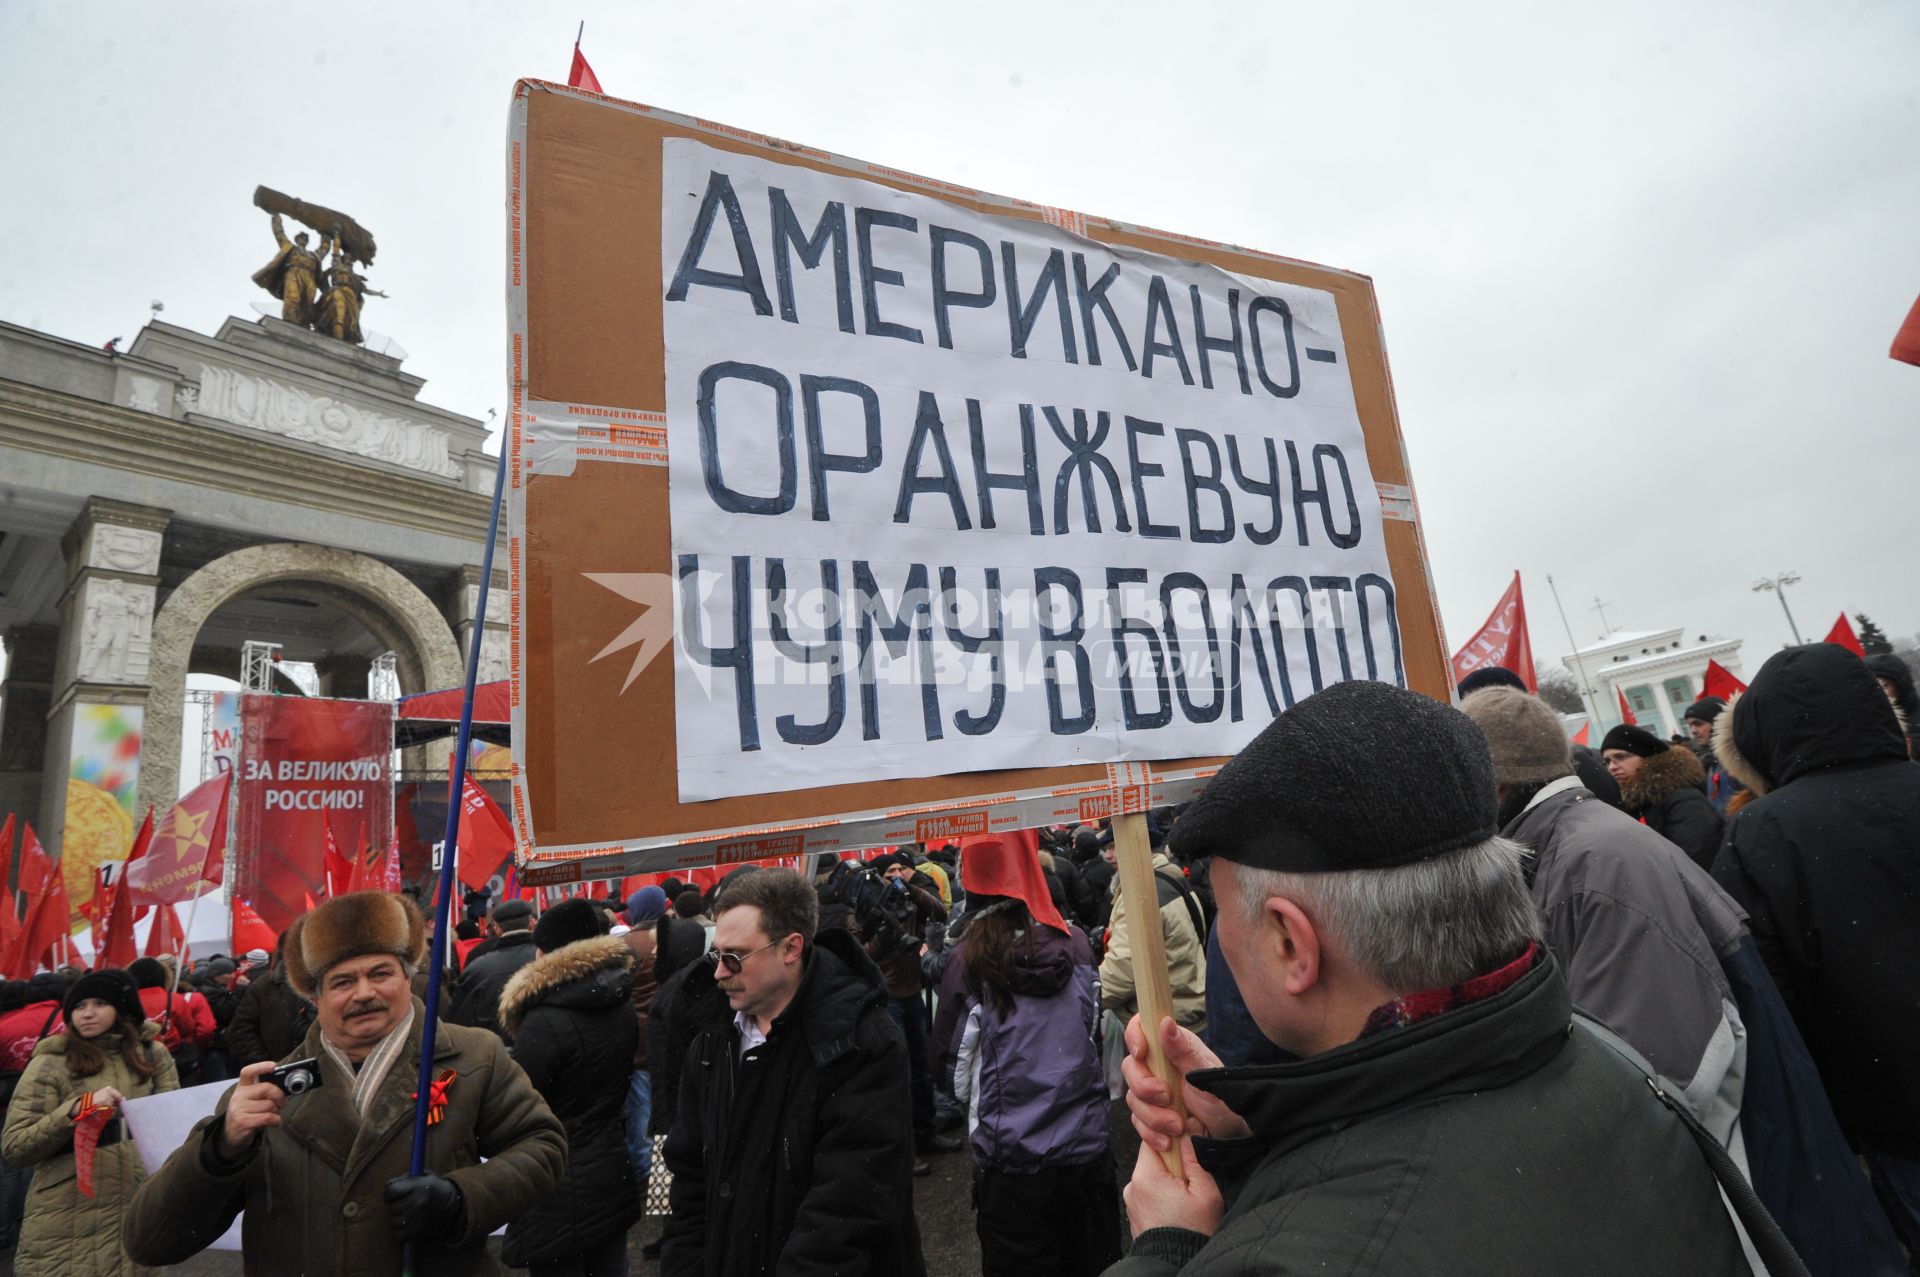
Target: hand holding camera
pixel 255 1105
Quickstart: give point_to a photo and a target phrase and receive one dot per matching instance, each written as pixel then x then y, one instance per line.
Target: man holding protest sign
pixel 1449 1112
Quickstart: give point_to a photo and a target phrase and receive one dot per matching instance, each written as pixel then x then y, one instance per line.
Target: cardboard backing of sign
pixel 594 777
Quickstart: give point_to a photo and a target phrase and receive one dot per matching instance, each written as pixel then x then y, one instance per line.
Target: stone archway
pixel 389 605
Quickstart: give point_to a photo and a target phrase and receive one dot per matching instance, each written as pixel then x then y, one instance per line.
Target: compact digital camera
pixel 296 1077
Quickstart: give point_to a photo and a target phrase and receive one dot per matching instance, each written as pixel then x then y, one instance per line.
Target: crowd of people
pixel 1448 994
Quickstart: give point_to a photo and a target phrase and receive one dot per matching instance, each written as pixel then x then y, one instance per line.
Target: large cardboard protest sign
pixel 849 506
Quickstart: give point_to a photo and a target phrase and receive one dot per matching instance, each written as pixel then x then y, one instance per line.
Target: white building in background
pixel 1661 672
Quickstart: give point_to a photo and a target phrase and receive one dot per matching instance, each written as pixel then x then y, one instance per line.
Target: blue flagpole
pixel 443 897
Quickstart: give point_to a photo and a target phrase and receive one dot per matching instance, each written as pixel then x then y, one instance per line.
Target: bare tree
pixel 1558 689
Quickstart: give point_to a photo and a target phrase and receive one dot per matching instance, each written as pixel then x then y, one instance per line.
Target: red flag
pixel 6 847
pixel 580 75
pixel 1719 681
pixel 392 881
pixel 1906 342
pixel 94 910
pixel 486 838
pixel 1502 642
pixel 48 913
pixel 116 947
pixel 250 930
pixel 1842 635
pixel 166 934
pixel 1626 710
pixel 339 869
pixel 186 849
pixel 1585 735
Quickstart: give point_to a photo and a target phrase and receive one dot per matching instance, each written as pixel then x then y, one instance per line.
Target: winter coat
pixel 66 1233
pixel 1826 862
pixel 1669 793
pixel 21 1031
pixel 1186 960
pixel 796 1158
pixel 476 1002
pixel 1501 1137
pixel 641 943
pixel 1640 932
pixel 313 1187
pixel 569 1015
pixel 1031 1077
pixel 185 1019
pixel 271 1021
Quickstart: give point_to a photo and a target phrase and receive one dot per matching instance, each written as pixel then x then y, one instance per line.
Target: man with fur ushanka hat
pixel 1445 1111
pixel 323 1175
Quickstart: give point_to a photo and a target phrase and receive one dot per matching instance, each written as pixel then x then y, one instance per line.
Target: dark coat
pixel 1640 933
pixel 1593 773
pixel 1491 1139
pixel 570 1019
pixel 270 1021
pixel 476 1002
pixel 798 1157
pixel 313 1187
pixel 676 1014
pixel 1826 861
pixel 1669 793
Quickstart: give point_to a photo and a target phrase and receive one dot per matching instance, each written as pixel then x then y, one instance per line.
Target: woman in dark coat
pixel 569 1016
pixel 1664 786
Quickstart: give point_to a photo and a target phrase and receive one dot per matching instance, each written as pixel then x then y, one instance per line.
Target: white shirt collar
pixel 750 1034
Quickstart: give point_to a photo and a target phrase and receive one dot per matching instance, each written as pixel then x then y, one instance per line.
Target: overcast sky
pixel 1639 266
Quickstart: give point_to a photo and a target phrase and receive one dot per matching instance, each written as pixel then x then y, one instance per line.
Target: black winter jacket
pixel 1501 1137
pixel 569 1017
pixel 476 1001
pixel 270 1022
pixel 1669 793
pixel 1826 862
pixel 796 1158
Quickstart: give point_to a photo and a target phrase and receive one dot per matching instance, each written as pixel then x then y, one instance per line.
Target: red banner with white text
pixel 307 766
pixel 1503 641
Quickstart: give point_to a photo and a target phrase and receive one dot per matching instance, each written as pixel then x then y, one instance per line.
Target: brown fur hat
pixel 353 926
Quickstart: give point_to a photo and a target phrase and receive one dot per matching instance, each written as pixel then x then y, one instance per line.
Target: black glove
pixel 426 1208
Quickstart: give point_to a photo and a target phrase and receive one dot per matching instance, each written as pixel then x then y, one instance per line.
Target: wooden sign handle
pixel 1133 859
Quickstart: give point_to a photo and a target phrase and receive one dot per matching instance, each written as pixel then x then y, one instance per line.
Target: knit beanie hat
pixel 1528 744
pixel 566 922
pixel 1361 776
pixel 147 973
pixel 1635 740
pixel 1491 676
pixel 1706 709
pixel 113 987
pixel 645 905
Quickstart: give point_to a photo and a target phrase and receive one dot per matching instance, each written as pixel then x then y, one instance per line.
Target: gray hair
pixel 1426 925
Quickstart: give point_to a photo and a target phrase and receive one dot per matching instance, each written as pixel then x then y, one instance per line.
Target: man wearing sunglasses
pixel 792 1148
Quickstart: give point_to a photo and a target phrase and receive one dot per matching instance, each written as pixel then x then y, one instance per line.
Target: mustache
pixel 371 1004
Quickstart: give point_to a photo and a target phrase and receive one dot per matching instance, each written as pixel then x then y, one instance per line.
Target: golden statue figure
pixel 293 275
pixel 338 315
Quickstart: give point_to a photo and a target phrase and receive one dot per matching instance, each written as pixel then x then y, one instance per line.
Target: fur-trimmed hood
pixel 1664 773
pixel 602 968
pixel 1809 709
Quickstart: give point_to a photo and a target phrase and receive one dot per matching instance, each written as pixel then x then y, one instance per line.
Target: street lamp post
pixel 1778 585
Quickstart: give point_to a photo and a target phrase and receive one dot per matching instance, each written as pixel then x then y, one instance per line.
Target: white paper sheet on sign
pixel 953 492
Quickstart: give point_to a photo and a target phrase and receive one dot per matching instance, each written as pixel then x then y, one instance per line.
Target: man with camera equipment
pixel 791 1150
pixel 317 1151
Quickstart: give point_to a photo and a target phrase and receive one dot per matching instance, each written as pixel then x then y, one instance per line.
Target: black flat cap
pixel 512 910
pixel 1361 776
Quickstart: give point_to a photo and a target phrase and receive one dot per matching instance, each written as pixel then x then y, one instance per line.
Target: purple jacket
pixel 1032 1081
